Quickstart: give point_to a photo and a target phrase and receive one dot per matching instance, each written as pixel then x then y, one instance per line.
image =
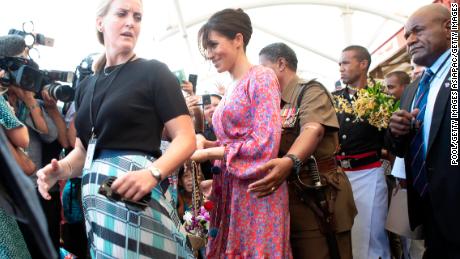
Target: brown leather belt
pixel 325 165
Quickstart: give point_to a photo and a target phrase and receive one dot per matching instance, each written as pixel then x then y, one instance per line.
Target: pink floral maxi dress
pixel 247 122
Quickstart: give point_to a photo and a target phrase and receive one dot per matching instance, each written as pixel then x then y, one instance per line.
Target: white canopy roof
pixel 316 29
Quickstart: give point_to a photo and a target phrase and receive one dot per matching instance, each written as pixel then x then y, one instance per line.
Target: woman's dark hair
pixel 227 22
pixel 181 172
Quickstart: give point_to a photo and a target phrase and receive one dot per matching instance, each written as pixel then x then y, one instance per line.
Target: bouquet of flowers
pixel 198 223
pixel 371 104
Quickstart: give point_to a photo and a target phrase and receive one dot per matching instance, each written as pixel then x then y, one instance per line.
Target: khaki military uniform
pixel 307 241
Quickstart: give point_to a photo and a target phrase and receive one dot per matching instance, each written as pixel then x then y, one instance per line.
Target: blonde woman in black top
pixel 123 108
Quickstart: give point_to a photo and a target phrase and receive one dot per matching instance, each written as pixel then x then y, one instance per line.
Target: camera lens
pixel 63 93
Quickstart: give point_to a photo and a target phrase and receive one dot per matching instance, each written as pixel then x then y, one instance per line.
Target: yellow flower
pixel 370 104
pixel 342 105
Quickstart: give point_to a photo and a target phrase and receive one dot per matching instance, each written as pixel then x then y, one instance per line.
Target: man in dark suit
pixel 420 132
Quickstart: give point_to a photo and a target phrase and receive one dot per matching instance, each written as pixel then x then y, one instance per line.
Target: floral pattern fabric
pixel 248 123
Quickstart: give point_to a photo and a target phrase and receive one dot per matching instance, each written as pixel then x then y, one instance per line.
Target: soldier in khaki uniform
pixel 312 132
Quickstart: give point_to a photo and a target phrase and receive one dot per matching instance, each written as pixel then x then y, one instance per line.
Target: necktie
pixel 417 146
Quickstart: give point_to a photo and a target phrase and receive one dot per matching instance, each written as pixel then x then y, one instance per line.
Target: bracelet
pixel 36 105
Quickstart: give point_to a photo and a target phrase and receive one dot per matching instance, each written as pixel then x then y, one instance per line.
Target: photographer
pixel 207 134
pixel 26 105
pixel 12 244
pixel 209 108
pixel 42 129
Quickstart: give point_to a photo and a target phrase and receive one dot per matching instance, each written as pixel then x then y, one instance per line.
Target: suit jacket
pixel 443 179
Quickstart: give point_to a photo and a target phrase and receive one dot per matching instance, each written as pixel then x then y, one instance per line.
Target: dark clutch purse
pixel 106 190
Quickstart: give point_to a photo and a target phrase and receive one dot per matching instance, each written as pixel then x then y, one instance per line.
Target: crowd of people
pixel 288 175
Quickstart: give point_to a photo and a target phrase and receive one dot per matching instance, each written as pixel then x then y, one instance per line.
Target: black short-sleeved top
pixel 139 100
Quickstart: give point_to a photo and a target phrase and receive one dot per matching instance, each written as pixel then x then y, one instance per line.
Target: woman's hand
pixel 192 102
pixel 49 175
pixel 213 153
pixel 135 185
pixel 200 155
pixel 202 142
pixel 187 87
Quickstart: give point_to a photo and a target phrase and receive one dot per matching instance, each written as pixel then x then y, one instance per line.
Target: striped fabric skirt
pixel 115 231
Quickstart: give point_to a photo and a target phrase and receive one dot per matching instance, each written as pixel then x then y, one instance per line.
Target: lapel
pixel 439 110
pixel 409 94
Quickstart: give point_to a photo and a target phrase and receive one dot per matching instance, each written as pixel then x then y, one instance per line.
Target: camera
pixel 206 99
pixel 62 92
pixel 21 72
pixel 192 78
pixel 26 74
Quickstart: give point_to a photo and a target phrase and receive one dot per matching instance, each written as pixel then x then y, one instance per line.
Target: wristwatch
pixel 156 172
pixel 298 164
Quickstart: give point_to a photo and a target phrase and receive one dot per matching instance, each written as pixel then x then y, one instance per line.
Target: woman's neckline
pixel 107 71
pixel 243 75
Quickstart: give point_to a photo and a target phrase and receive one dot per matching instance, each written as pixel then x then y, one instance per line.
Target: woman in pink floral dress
pixel 248 128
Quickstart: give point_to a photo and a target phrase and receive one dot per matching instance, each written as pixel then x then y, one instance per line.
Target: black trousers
pixel 52 210
pixel 435 242
pixel 75 240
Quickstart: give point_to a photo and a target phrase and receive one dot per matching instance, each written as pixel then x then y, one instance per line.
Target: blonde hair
pixel 101 11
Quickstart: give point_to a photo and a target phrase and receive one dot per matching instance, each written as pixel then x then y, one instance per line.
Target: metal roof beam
pixel 347 14
pixel 183 29
pixel 297 43
pixel 267 3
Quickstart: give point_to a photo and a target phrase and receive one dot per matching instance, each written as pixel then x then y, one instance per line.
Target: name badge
pixel 90 153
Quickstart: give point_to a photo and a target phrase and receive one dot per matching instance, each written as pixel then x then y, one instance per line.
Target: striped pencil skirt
pixel 116 231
